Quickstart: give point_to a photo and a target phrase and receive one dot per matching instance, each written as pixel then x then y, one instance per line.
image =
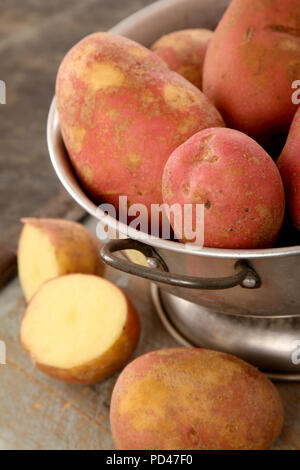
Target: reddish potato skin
pixel 255 42
pixel 194 399
pixel 122 112
pixel 184 52
pixel 289 167
pixel 238 183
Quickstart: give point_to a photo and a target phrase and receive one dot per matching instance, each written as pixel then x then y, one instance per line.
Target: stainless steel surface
pixel 243 276
pixel 264 342
pixel 278 268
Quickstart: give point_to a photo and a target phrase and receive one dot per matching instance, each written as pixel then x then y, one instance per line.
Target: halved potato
pixel 51 247
pixel 79 328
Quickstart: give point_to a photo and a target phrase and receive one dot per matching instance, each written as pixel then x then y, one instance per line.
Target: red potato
pixel 184 52
pixel 251 63
pixel 122 112
pixel 238 183
pixel 194 399
pixel 289 167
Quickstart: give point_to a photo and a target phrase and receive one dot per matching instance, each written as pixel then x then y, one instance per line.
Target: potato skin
pixel 238 183
pixel 255 42
pixel 189 399
pixel 289 167
pixel 122 112
pixel 184 52
pixel 103 366
pixel 77 249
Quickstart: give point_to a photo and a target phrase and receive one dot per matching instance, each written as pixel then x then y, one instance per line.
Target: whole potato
pixel 184 52
pixel 251 63
pixel 188 399
pixel 238 183
pixel 289 167
pixel 122 112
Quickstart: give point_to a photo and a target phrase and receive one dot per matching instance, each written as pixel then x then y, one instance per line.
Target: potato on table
pixel 251 64
pixel 289 167
pixel 79 328
pixel 52 247
pixel 184 52
pixel 188 399
pixel 122 112
pixel 238 183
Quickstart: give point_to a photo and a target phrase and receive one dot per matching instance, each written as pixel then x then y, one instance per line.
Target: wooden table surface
pixel 37 412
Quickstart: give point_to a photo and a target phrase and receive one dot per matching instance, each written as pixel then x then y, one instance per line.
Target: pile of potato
pixel 122 113
pixel 80 328
pixel 135 123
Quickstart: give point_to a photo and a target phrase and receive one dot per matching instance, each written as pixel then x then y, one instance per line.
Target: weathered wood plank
pixel 39 412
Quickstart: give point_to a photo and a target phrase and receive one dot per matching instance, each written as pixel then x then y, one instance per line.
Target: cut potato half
pixel 79 328
pixel 51 247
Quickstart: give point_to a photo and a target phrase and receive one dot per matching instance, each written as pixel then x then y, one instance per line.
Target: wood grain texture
pixel 38 412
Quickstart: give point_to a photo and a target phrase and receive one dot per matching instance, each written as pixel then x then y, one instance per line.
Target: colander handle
pixel 158 271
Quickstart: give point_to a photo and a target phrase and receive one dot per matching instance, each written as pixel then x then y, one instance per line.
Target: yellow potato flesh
pixel 73 320
pixel 37 261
